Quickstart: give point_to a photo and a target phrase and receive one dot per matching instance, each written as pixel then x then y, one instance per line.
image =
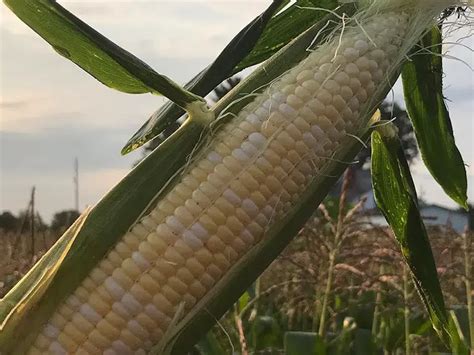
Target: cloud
pixel 13 104
pixel 95 184
pixel 24 111
pixel 51 151
pixel 51 111
pixel 54 89
pixel 430 191
pixel 174 29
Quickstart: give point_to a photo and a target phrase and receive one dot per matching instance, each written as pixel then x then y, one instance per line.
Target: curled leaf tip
pixel 375 117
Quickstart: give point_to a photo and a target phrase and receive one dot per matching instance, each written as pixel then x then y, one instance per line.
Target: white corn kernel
pixel 250 176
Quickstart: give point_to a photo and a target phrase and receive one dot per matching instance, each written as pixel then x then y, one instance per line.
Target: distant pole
pixel 76 184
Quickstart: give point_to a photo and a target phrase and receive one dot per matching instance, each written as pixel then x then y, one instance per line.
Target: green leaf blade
pixel 284 27
pixel 256 42
pixel 206 80
pixel 422 84
pixel 395 196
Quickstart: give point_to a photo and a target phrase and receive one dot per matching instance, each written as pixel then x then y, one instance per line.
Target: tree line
pixel 21 222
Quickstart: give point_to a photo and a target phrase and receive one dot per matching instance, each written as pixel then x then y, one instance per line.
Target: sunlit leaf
pixel 423 88
pixel 243 301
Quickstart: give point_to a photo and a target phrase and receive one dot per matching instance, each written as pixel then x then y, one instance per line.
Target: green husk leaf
pixel 423 89
pixel 33 286
pixel 204 82
pixel 104 60
pixel 396 197
pixel 256 42
pixel 108 221
pixel 284 27
pixel 285 59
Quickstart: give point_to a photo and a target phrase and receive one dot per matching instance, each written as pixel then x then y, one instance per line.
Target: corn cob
pixel 251 174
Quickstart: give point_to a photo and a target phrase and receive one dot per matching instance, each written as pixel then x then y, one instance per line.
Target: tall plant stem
pixel 338 237
pixel 240 328
pixel 317 310
pixel 375 320
pixel 406 310
pixel 467 282
pixel 327 292
pixel 258 293
pixel 378 303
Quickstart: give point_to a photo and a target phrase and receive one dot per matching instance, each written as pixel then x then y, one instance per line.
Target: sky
pixel 51 111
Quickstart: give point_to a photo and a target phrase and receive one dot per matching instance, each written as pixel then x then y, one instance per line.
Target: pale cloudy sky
pixel 51 111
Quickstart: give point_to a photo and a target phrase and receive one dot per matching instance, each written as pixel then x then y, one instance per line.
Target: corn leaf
pixel 97 55
pixel 423 89
pixel 255 43
pixel 284 27
pixel 204 82
pixel 280 62
pixel 396 197
pixel 108 221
